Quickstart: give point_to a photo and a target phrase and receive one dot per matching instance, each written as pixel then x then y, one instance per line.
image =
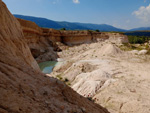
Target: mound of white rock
pixel 141 52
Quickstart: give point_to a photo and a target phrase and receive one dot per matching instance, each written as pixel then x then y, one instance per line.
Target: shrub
pixel 66 80
pixel 59 77
pixel 63 29
pixel 138 39
pixel 97 30
pixel 89 97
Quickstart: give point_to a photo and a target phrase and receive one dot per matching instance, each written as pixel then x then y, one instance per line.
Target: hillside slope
pixel 42 22
pixel 140 29
pixel 138 33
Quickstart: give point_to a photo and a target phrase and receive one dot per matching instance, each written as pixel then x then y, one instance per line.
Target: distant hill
pixel 140 29
pixel 42 22
pixel 138 33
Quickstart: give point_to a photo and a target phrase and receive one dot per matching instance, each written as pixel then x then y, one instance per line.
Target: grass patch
pixel 130 47
pixel 65 80
pixel 59 77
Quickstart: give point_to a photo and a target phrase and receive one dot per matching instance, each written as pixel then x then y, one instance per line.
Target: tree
pixel 63 29
pixel 97 30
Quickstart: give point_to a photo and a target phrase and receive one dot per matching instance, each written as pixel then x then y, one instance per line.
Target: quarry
pixel 45 70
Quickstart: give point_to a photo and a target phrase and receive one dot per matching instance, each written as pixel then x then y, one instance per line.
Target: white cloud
pixel 143 13
pixel 76 1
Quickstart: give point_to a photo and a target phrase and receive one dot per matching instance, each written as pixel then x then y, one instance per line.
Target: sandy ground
pixel 116 79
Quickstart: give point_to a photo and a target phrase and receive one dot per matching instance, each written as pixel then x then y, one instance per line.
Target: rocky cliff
pixel 23 88
pixel 43 41
pixel 69 37
pixel 76 37
pixel 41 46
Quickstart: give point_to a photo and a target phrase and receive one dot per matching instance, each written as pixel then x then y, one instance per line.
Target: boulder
pixel 142 52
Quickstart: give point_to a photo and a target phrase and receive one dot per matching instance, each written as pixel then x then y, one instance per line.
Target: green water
pixel 47 67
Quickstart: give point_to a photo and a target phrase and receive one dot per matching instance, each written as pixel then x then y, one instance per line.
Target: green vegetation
pixel 91 30
pixel 129 47
pixel 63 29
pixel 65 80
pixel 138 33
pixel 137 43
pixel 138 39
pixel 97 30
pixel 91 99
pixel 59 77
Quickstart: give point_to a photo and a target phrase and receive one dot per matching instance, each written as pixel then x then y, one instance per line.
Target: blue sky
pixel 124 14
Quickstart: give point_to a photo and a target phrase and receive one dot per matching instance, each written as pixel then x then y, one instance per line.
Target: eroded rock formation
pixel 42 48
pixel 69 37
pixel 23 88
pixel 116 79
pixel 76 37
pixel 44 41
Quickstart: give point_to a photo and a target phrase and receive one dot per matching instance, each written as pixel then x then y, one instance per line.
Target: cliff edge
pixel 23 88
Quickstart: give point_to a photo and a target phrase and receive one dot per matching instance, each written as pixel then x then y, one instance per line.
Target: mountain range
pixel 140 29
pixel 47 23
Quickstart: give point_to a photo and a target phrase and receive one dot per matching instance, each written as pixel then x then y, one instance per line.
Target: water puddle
pixel 47 67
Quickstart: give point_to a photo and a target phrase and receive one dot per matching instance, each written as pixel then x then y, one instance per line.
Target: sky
pixel 125 14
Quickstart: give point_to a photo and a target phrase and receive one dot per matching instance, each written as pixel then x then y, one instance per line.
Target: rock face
pixel 43 41
pixel 12 45
pixel 76 37
pixel 117 38
pixel 41 47
pixel 23 88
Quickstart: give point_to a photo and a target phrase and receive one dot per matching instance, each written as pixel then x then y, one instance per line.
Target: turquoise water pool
pixel 47 67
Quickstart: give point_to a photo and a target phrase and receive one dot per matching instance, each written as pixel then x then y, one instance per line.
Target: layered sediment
pixel 43 41
pixel 69 37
